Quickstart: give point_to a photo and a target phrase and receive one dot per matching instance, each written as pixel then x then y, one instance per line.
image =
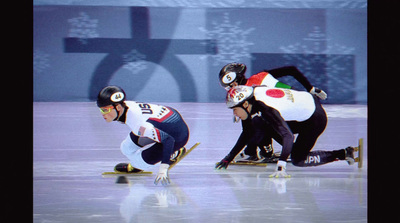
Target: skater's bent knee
pixel 127 147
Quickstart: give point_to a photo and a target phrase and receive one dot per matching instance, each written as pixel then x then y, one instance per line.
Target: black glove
pixel 224 163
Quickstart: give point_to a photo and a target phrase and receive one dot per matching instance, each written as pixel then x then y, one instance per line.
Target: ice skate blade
pixel 124 173
pixel 183 156
pixel 248 164
pixel 360 149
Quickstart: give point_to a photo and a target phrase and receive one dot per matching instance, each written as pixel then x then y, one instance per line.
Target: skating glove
pixel 280 170
pixel 224 163
pixel 162 175
pixel 319 93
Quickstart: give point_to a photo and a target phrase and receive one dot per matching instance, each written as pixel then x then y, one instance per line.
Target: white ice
pixel 73 146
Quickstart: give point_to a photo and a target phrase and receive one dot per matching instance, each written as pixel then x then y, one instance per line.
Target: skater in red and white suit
pixel 233 74
pixel 282 113
pixel 158 133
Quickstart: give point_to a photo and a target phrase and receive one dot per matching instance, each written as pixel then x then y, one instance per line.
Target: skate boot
pixel 272 159
pixel 126 168
pixel 266 154
pixel 242 157
pixel 177 154
pixel 349 155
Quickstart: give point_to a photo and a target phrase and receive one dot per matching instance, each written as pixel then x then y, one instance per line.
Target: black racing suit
pixel 272 124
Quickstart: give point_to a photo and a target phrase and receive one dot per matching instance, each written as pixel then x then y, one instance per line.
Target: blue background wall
pixel 171 53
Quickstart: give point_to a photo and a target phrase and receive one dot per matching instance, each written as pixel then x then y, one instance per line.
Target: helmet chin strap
pixel 116 118
pixel 245 109
pixel 248 113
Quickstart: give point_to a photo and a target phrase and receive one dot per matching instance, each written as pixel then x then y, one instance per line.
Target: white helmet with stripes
pixel 236 96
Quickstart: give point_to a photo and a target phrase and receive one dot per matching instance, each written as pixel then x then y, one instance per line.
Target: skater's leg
pixel 263 145
pixel 262 138
pixel 316 158
pixel 308 133
pixel 303 156
pixel 154 154
pixel 134 153
pixel 266 149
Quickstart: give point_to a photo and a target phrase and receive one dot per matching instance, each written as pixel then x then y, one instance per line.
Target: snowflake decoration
pixel 134 61
pixel 315 43
pixel 232 41
pixel 40 61
pixel 83 27
pixel 331 67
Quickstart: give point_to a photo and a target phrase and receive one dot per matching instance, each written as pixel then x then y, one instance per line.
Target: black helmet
pixel 110 95
pixel 232 72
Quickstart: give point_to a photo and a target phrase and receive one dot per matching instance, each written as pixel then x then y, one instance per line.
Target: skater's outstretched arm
pixel 294 72
pixel 299 76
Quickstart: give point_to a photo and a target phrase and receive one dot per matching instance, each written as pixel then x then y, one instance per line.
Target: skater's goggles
pixel 106 110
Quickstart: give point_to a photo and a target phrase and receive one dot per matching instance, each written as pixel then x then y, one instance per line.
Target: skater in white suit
pixel 158 133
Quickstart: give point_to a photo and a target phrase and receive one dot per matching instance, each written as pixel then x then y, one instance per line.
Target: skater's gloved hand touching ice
pixel 162 175
pixel 280 170
pixel 224 163
pixel 319 93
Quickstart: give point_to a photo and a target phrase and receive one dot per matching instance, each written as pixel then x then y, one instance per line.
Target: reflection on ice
pixel 247 193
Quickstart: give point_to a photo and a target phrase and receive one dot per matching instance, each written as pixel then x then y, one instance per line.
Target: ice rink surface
pixel 73 145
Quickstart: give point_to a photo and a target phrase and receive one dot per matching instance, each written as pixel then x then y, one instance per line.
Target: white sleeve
pixel 269 81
